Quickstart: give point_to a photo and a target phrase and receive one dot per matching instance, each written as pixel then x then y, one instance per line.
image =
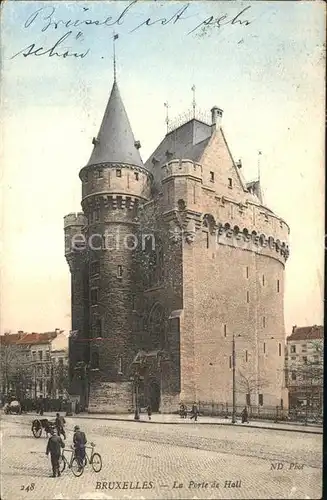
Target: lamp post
pixel 234 383
pixel 136 386
pixel 234 394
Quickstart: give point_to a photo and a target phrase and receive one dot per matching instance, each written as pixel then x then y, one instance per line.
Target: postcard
pixel 163 249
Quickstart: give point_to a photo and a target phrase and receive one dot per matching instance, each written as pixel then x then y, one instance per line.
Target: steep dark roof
pixel 306 333
pixel 187 142
pixel 115 141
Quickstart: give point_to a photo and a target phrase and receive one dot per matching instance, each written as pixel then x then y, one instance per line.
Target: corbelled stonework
pixel 174 256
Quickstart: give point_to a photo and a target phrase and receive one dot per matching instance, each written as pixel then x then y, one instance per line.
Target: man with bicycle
pixel 79 440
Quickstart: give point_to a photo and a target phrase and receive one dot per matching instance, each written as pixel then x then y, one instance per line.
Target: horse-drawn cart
pixel 42 424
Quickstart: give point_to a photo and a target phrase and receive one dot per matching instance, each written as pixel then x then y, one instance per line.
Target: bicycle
pixel 72 464
pixel 94 459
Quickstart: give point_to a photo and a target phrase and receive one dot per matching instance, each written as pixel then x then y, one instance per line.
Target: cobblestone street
pixel 147 461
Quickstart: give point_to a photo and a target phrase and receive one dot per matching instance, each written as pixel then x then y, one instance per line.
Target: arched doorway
pixel 154 395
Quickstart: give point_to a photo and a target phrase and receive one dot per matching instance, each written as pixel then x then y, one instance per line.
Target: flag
pixel 193 88
pixel 115 37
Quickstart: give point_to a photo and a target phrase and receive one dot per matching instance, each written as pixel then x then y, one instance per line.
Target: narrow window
pixel 230 182
pixel 230 361
pixel 118 172
pixel 225 330
pixel 246 356
pixel 247 297
pixel 279 349
pixel 94 296
pixel 293 376
pixel 277 286
pixel 293 348
pixel 194 198
pixel 98 328
pixel 97 214
pixel 264 347
pixel 305 359
pixel 119 271
pixel 95 360
pixel 40 355
pixel 120 365
pixel 95 268
pixel 261 399
pixel 212 177
pixel 247 271
pixel 264 322
pixel 263 280
pixel 136 174
pixel 100 173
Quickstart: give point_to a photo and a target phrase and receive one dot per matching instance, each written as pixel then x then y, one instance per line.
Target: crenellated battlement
pixel 176 168
pixel 115 178
pixel 74 219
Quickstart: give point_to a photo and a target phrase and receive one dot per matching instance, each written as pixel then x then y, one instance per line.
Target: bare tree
pixel 59 379
pixel 16 371
pixel 250 384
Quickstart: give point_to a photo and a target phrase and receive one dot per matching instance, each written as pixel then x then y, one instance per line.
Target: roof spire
pixel 115 141
pixel 114 54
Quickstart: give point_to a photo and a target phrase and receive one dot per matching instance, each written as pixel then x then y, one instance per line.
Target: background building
pixel 169 260
pixel 304 368
pixel 34 364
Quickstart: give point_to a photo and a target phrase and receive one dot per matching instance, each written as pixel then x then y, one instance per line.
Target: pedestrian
pixel 195 412
pixel 59 424
pixel 245 415
pixel 41 405
pixel 54 446
pixel 149 411
pixel 79 440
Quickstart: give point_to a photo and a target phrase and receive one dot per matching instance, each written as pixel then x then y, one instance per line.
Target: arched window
pixel 95 360
pixel 157 327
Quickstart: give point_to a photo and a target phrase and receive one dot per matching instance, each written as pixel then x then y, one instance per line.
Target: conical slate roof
pixel 115 141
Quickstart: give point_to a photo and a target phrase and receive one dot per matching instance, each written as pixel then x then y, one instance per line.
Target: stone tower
pixel 168 312
pixel 114 182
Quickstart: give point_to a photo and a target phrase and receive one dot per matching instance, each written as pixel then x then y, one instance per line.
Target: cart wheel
pixel 96 462
pixel 37 428
pixel 77 470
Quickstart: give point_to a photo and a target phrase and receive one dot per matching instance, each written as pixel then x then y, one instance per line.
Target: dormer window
pixel 212 177
pixel 230 182
pixel 118 172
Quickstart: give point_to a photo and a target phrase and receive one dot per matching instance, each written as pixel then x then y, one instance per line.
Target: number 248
pixel 29 487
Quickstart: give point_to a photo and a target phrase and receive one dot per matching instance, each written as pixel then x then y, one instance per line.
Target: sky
pixel 267 74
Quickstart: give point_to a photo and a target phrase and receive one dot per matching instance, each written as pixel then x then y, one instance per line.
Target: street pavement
pixel 165 462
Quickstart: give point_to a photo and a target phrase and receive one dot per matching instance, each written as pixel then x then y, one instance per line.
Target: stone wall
pixel 110 397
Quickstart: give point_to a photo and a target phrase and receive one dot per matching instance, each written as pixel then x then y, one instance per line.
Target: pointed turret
pixel 115 141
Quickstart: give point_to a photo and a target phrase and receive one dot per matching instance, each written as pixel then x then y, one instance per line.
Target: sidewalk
pixel 176 420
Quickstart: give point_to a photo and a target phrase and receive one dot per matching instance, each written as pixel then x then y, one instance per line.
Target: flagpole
pixel 259 154
pixel 193 103
pixel 114 54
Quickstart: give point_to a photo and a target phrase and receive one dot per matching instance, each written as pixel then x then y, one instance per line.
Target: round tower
pixel 114 183
pixel 76 256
